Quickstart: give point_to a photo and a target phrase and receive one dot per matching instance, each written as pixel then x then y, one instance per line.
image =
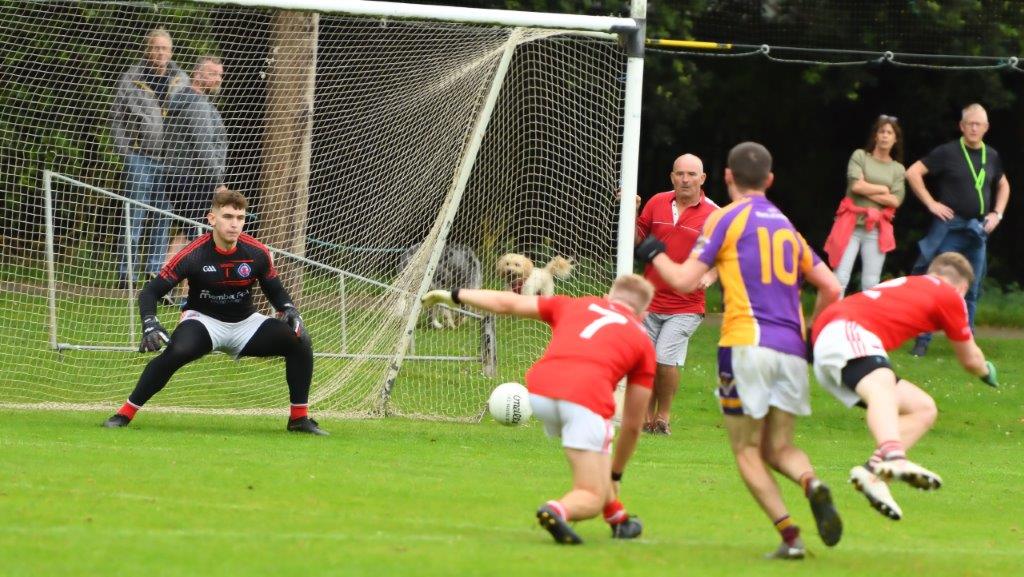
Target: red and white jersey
pixel 678 228
pixel 594 343
pixel 901 308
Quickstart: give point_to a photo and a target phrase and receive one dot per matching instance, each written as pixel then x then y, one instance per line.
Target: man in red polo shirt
pixel 676 217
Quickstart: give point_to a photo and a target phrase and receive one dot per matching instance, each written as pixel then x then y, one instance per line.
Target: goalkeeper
pixel 851 338
pixel 595 342
pixel 221 267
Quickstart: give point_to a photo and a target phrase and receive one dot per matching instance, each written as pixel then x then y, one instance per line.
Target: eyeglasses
pixel 887 118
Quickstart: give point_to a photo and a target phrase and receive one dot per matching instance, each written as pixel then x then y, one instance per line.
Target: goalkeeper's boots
pixel 876 491
pixel 830 526
pixel 305 425
pixel 117 421
pixel 556 525
pixel 789 551
pixel 909 472
pixel 628 529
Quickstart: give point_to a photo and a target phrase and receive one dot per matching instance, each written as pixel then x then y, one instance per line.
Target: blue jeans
pixel 145 183
pixel 964 236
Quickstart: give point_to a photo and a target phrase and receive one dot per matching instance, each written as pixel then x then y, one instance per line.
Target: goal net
pixel 376 154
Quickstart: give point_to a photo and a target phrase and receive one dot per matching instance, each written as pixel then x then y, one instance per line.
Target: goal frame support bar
pixel 446 218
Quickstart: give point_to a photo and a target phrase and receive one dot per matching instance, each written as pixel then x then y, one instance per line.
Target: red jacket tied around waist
pixel 846 222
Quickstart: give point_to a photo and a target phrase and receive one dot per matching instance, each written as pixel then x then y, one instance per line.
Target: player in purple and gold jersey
pixel 762 357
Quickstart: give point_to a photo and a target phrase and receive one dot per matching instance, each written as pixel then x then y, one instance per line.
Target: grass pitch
pixel 201 495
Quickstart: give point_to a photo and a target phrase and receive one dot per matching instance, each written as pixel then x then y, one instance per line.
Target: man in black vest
pixel 962 174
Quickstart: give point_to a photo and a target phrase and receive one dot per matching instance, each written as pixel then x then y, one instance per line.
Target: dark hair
pixel 229 197
pixel 750 164
pixel 897 147
pixel 206 58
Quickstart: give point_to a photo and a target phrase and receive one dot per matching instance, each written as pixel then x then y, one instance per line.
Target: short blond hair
pixel 634 290
pixel 158 32
pixel 952 266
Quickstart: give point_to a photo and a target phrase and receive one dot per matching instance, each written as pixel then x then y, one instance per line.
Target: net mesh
pixel 347 135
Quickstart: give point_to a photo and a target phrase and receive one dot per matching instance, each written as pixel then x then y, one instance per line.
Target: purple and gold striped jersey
pixel 761 261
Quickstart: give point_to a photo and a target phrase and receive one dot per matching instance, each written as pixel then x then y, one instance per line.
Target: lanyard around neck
pixel 978 176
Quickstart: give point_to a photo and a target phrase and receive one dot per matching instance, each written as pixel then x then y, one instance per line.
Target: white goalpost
pixel 386 149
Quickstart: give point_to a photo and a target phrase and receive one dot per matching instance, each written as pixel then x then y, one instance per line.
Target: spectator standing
pixel 963 173
pixel 676 218
pixel 137 122
pixel 874 190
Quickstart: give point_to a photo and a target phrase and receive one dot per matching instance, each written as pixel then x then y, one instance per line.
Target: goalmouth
pixel 374 140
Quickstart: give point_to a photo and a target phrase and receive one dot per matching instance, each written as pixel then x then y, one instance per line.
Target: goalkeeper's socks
pixel 615 513
pixel 299 411
pixel 788 529
pixel 887 451
pixel 559 509
pixel 128 410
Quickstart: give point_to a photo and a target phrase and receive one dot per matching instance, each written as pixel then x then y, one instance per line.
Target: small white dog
pixel 522 277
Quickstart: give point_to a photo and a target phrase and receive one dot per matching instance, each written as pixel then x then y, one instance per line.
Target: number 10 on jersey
pixel 774 264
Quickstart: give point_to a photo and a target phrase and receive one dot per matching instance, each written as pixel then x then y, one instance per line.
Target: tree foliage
pixel 810 116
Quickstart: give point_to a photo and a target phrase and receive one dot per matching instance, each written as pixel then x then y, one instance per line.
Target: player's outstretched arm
pixel 709 278
pixel 829 289
pixel 150 294
pixel 685 277
pixel 278 296
pixel 973 360
pixel 634 408
pixel 498 302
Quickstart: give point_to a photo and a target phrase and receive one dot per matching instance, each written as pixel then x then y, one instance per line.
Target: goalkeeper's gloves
pixel 991 379
pixel 290 315
pixel 649 248
pixel 441 297
pixel 154 335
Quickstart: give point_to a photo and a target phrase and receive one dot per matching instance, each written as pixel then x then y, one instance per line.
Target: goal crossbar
pixel 609 24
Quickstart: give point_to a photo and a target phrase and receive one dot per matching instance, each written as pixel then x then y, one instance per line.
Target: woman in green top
pixel 875 180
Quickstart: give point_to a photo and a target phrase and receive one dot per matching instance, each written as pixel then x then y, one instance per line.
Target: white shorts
pixel 753 378
pixel 671 335
pixel 578 426
pixel 837 343
pixel 229 338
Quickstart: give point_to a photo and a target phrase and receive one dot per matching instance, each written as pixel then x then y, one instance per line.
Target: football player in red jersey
pixel 851 339
pixel 221 267
pixel 595 342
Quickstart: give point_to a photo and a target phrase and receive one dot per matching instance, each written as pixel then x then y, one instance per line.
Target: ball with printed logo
pixel 510 404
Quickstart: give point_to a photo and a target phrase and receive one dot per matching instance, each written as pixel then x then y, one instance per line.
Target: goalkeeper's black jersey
pixel 220 283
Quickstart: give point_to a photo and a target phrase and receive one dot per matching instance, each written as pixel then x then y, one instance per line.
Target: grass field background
pixel 182 494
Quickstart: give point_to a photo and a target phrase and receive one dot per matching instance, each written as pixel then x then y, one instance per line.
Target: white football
pixel 510 404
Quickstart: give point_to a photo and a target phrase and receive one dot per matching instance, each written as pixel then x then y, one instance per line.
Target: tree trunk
pixel 291 78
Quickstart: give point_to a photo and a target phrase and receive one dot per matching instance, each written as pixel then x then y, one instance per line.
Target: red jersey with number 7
pixel 594 343
pixel 902 308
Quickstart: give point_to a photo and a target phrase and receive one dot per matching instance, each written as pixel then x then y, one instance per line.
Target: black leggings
pixel 191 341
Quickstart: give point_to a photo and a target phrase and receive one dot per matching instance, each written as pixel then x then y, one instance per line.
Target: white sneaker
pixel 877 492
pixel 909 472
pixel 789 552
